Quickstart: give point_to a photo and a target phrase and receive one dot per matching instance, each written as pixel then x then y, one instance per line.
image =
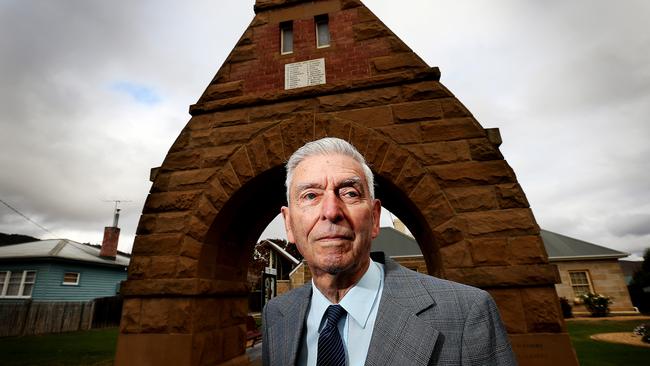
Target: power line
pixel 25 217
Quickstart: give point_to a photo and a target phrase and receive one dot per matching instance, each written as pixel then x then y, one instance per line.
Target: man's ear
pixel 287 224
pixel 376 216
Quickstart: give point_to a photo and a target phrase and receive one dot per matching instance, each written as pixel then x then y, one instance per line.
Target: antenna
pixel 116 213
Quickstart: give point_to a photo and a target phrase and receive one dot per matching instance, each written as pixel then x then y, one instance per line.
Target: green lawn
pixel 94 347
pixel 97 347
pixel 592 353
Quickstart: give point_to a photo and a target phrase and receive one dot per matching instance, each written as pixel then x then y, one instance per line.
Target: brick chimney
pixel 111 237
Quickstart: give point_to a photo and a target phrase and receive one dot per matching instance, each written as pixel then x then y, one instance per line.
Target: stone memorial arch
pixel 221 183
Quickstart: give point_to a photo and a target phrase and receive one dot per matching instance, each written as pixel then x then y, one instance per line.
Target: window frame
pixel 71 283
pixel 322 19
pixel 573 285
pixel 284 27
pixel 21 286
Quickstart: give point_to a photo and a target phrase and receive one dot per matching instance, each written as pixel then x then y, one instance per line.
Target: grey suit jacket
pixel 421 320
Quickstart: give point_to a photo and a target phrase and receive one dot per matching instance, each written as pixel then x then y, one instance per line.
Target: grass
pixel 593 353
pixel 93 347
pixel 97 347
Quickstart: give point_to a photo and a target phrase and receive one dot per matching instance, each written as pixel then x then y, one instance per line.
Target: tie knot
pixel 333 314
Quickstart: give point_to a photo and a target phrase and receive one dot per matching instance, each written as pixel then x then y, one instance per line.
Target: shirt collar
pixel 358 301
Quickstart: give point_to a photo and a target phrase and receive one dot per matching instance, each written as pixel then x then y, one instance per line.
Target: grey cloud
pixel 630 225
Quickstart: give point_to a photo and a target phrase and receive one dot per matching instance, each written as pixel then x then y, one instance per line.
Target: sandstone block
pixel 154 316
pixel 182 142
pixel 207 348
pixel 237 134
pixel 396 62
pixel 489 251
pixel 452 108
pixel 205 211
pixel 499 223
pixel 437 153
pixel 396 45
pixel 456 256
pixel 163 223
pixel 131 311
pixel 402 134
pixel 469 199
pixel 527 250
pixel 393 163
pixel 224 90
pixel 228 179
pixel 438 210
pixel 281 111
pixel 510 276
pixel 191 248
pixel 242 166
pixel 365 15
pixel 171 201
pixel 370 117
pixel 425 90
pixel 197 229
pixel 376 151
pixel 349 4
pixel 511 309
pixel 511 196
pixel 359 137
pixel 157 244
pixel 216 194
pixel 410 176
pixel 257 154
pixel 473 174
pixel 180 316
pixel 138 267
pixel 296 132
pixel 243 53
pixel 450 232
pixel 214 157
pixel 234 341
pixel 359 99
pixel 162 267
pixel 543 313
pixel 182 160
pixel 275 150
pixel 417 111
pixel 227 118
pixel 186 268
pixel 450 129
pixel 189 179
pixel 482 149
pixel 424 192
pixel 329 126
pixel 369 30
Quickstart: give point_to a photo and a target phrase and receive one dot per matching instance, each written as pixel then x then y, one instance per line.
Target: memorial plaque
pixel 306 73
pixel 543 349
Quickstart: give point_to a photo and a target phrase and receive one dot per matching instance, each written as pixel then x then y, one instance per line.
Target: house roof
pixel 59 249
pixel 281 251
pixel 394 243
pixel 564 248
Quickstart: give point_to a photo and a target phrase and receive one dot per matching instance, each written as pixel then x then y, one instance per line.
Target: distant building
pixel 584 267
pixel 59 270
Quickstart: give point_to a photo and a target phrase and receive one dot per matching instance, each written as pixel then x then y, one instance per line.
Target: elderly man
pixel 358 309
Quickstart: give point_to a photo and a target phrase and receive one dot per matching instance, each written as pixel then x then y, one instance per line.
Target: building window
pixel 286 37
pixel 322 31
pixel 18 284
pixel 71 278
pixel 580 282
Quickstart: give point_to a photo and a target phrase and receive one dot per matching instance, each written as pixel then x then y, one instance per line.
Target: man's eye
pixel 351 194
pixel 309 196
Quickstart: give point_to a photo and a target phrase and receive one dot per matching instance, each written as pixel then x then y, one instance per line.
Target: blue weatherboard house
pixel 59 270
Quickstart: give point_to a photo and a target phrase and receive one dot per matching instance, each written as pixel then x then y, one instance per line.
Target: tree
pixel 640 285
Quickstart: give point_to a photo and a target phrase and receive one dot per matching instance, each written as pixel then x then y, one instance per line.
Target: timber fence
pixel 32 317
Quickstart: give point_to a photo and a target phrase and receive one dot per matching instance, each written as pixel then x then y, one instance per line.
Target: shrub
pixel 643 330
pixel 597 304
pixel 567 309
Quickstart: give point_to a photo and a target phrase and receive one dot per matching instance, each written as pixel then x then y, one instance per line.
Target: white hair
pixel 329 146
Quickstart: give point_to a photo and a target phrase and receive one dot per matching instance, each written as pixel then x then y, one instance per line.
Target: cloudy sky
pixel 93 93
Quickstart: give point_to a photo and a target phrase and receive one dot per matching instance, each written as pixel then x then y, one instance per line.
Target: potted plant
pixel 597 304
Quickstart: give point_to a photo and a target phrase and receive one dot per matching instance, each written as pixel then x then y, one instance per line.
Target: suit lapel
pixel 286 333
pixel 400 336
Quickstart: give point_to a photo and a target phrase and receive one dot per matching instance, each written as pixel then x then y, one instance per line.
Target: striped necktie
pixel 330 344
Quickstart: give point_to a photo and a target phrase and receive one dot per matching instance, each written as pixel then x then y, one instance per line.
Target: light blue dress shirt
pixel 361 304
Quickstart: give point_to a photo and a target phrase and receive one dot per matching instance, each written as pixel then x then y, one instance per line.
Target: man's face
pixel 331 217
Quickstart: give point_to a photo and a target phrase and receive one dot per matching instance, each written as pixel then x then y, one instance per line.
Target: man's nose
pixel 331 207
